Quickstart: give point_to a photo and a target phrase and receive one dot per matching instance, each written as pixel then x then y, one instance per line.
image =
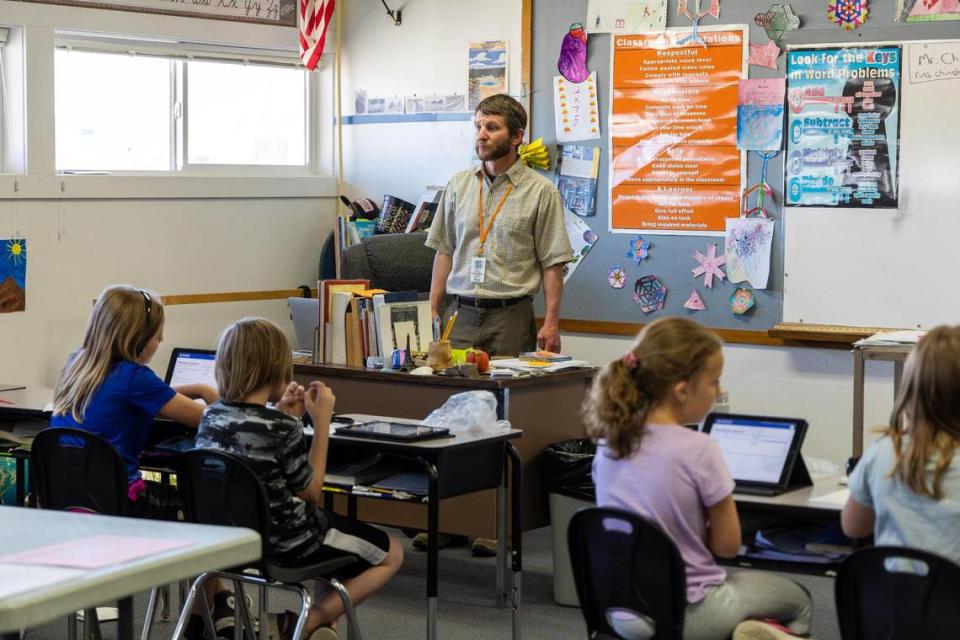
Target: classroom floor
pixel 467 609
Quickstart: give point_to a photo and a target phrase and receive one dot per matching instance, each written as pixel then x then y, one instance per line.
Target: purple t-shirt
pixel 672 479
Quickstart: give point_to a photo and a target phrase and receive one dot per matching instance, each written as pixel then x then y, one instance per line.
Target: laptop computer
pixel 305 313
pixel 191 366
pixel 762 453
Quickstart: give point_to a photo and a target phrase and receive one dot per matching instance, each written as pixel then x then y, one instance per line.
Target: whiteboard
pixel 890 267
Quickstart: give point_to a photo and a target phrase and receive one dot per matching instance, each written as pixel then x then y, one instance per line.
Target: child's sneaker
pixel 325 632
pixel 224 615
pixel 761 630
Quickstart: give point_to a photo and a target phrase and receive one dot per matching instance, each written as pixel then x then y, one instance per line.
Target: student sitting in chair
pixel 253 367
pixel 649 463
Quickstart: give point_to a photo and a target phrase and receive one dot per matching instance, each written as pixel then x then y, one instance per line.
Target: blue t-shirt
pixel 122 409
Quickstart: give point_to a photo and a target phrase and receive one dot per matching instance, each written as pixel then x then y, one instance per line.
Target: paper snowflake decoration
pixel 741 301
pixel 849 14
pixel 616 277
pixel 650 293
pixel 639 249
pixel 778 21
pixel 694 302
pixel 709 266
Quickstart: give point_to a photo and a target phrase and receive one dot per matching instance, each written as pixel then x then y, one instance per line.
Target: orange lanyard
pixel 484 230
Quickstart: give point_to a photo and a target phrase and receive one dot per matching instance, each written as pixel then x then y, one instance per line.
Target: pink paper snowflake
pixel 709 266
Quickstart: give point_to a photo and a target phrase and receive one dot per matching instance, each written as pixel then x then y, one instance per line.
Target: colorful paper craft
pixel 778 21
pixel 639 249
pixel 694 302
pixel 13 275
pixel 695 16
pixel 764 55
pixel 748 246
pixel 616 277
pixel 762 189
pixel 576 109
pixel 849 14
pixel 572 63
pixel 709 266
pixel 650 293
pixel 741 301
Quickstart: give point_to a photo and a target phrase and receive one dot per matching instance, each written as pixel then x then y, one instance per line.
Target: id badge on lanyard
pixel 478 269
pixel 478 264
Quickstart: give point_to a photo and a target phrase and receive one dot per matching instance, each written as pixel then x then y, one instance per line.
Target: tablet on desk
pixel 383 430
pixel 762 454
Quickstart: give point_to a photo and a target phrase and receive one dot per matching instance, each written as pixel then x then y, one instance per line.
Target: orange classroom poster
pixel 675 166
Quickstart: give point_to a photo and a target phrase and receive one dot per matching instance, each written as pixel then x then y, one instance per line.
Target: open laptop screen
pixel 755 449
pixel 191 366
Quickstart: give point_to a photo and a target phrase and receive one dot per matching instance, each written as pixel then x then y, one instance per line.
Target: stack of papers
pixel 516 364
pixel 891 338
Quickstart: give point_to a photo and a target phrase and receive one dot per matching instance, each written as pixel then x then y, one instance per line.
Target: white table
pixel 26 605
pixel 890 353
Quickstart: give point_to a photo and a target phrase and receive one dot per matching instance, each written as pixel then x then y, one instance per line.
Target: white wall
pixel 175 235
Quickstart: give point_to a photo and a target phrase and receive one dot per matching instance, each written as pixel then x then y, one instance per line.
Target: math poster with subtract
pixel 675 166
pixel 843 126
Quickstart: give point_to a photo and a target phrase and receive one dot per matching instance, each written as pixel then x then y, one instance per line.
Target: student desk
pixel 889 353
pixel 546 407
pixel 61 591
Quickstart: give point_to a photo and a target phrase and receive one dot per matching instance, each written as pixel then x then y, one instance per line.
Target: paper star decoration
pixel 639 249
pixel 849 14
pixel 764 55
pixel 650 293
pixel 694 302
pixel 778 21
pixel 741 301
pixel 616 277
pixel 709 266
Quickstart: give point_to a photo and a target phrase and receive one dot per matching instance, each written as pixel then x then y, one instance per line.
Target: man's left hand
pixel 548 338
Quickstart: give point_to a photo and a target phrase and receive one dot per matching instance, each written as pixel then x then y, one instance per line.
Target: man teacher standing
pixel 498 234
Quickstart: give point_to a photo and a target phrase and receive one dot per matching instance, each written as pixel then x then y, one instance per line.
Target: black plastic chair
pixel 897 593
pixel 75 470
pixel 624 565
pixel 220 489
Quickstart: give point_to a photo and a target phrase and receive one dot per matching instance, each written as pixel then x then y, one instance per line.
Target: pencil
pixel 449 328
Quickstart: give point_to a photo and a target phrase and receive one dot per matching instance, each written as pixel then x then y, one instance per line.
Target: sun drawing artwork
pixel 13 275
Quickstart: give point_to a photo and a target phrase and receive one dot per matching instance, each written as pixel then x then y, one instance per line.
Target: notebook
pixel 305 314
pixel 191 366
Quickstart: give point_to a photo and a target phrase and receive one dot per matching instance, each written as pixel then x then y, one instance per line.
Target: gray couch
pixel 391 261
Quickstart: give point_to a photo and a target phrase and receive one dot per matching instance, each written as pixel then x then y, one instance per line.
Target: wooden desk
pixel 546 408
pixel 890 353
pixel 77 588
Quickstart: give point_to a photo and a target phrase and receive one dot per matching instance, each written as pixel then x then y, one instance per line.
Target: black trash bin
pixel 567 467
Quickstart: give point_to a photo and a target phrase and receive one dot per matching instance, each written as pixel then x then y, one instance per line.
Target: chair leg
pixel 165 603
pixel 242 619
pixel 306 601
pixel 353 627
pixel 148 616
pixel 72 626
pixel 263 613
pixel 195 588
pixel 91 625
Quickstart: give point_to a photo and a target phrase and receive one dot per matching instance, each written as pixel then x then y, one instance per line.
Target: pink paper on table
pixel 94 552
pixel 764 56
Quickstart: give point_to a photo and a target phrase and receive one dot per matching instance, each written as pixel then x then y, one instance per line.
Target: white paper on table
pixel 21 578
pixel 748 245
pixel 905 336
pixel 576 111
pixel 94 552
pixel 838 497
pixel 626 16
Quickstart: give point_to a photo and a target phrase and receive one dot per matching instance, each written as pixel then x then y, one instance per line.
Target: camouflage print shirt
pixel 272 444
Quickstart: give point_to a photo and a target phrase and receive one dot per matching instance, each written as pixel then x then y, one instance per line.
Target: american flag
pixel 313 22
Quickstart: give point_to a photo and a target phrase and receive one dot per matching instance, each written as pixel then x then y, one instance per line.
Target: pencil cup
pixel 439 356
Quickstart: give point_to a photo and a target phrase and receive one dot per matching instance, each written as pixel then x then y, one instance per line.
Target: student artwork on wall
pixel 675 167
pixel 576 109
pixel 626 16
pixel 487 71
pixel 576 178
pixel 13 275
pixel 927 10
pixel 843 127
pixel 760 114
pixel 748 245
pixel 582 239
pixel 572 63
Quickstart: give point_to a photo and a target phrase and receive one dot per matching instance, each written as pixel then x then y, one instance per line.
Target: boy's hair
pixel 252 353
pixel 512 111
pixel 667 351
pixel 925 423
pixel 123 321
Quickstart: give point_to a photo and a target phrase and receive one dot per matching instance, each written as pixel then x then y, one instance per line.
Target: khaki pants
pixel 502 331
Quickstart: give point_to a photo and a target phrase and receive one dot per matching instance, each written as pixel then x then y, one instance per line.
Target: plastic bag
pixel 468 412
pixel 567 467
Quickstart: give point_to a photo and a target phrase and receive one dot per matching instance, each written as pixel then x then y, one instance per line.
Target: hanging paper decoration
pixel 572 63
pixel 741 301
pixel 535 155
pixel 694 302
pixel 709 266
pixel 778 21
pixel 762 189
pixel 650 293
pixel 695 16
pixel 13 275
pixel 639 249
pixel 764 55
pixel 849 14
pixel 616 277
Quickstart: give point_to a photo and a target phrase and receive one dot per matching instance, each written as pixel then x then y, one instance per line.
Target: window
pixel 118 111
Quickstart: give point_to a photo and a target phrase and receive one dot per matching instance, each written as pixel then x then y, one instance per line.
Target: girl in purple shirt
pixel 647 462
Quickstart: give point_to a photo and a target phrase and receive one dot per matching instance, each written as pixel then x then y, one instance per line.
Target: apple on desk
pixel 480 358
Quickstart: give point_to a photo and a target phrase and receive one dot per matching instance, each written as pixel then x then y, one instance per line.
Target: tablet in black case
pixel 383 430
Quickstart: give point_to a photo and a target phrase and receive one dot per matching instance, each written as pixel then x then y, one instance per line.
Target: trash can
pixel 566 469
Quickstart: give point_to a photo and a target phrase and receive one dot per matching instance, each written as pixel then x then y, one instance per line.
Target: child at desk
pixel 906 488
pixel 253 367
pixel 649 463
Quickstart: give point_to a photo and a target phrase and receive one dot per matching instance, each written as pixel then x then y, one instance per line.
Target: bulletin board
pixel 850 266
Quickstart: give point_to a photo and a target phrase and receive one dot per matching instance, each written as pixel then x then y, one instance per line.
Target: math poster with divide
pixel 843 127
pixel 675 166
